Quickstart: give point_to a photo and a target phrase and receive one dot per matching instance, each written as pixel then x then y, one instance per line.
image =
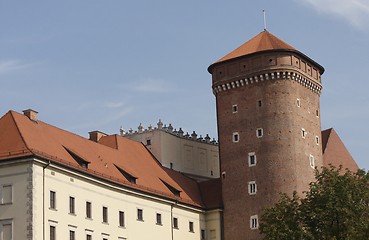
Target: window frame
pixel 191 227
pixel 249 157
pixel 259 132
pixel 122 222
pixel 72 205
pixel 3 199
pixel 72 234
pixel 52 199
pixel 52 232
pixel 254 222
pixel 105 214
pixel 303 133
pixel 312 161
pixel 235 137
pixel 88 206
pixel 6 223
pixel 159 219
pixel 252 187
pixel 234 108
pixel 140 216
pixel 175 223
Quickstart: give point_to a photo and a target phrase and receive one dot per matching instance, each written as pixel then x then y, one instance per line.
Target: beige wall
pixel 30 209
pixel 18 211
pixel 186 155
pixel 116 199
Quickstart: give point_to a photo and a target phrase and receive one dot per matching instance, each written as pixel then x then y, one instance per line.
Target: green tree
pixel 335 207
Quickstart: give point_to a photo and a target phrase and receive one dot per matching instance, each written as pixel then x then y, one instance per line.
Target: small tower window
pixel 317 140
pixel 223 174
pixel 252 159
pixel 234 108
pixel 303 133
pixel 254 223
pixel 148 142
pixel 259 132
pixel 298 102
pixel 252 188
pixel 312 161
pixel 317 113
pixel 260 103
pixel 236 137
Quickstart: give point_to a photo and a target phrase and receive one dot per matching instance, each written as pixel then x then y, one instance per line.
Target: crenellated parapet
pixel 160 126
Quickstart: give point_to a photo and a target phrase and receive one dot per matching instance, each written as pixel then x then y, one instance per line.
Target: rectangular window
pixel 298 102
pixel 105 214
pixel 52 200
pixel 190 226
pixel 252 159
pixel 52 232
pixel 121 218
pixel 6 192
pixel 234 108
pixel 259 132
pixel 312 161
pixel 175 223
pixel 72 209
pixel 72 235
pixel 88 237
pixel 6 230
pixel 140 214
pixel 303 133
pixel 158 219
pixel 88 210
pixel 236 137
pixel 254 222
pixel 252 188
pixel 203 237
pixel 259 103
pixel 317 140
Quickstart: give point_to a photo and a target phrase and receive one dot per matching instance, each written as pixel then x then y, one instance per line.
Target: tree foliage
pixel 335 207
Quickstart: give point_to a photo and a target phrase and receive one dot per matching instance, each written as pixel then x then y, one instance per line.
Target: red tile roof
pixel 261 42
pixel 264 41
pixel 21 137
pixel 335 152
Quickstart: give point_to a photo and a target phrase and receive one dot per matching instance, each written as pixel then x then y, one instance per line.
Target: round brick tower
pixel 267 96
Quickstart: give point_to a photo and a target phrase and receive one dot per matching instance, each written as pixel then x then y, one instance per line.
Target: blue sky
pixel 98 65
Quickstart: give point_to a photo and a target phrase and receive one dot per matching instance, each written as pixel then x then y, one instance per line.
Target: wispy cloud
pixel 151 85
pixel 114 104
pixel 354 11
pixel 11 65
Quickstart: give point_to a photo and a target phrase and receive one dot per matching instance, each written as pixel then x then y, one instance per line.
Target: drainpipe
pixel 43 200
pixel 171 218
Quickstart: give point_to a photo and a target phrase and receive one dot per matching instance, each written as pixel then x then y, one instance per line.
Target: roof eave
pixel 320 67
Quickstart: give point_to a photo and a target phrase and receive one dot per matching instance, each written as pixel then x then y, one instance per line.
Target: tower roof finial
pixel 265 24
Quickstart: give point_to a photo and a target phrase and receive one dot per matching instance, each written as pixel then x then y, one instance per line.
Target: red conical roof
pixel 263 41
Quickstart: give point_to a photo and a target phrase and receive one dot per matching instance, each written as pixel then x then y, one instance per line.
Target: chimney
pixel 31 114
pixel 96 135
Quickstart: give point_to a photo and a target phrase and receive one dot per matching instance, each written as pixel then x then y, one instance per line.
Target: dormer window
pixel 130 178
pixel 175 191
pixel 81 161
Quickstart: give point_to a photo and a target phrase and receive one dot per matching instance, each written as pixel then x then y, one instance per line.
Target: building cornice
pixel 274 75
